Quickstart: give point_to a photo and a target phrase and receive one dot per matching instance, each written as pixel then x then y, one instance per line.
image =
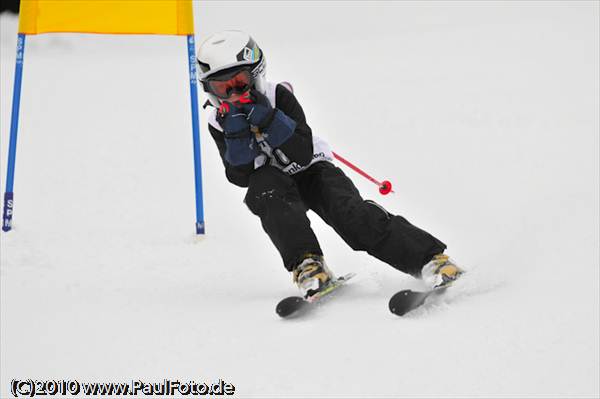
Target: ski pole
pixel 385 187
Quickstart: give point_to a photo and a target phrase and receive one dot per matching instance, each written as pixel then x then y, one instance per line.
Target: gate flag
pixel 162 17
pixel 158 17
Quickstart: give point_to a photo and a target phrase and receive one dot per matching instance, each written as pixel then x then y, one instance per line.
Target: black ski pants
pixel 281 201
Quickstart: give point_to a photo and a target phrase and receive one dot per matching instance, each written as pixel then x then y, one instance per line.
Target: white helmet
pixel 225 52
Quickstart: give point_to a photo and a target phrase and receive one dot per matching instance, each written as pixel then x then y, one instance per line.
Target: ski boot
pixel 440 272
pixel 312 275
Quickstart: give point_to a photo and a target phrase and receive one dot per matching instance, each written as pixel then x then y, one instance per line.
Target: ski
pixel 296 305
pixel 406 300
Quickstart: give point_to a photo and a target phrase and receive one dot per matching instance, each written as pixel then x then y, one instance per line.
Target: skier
pixel 266 145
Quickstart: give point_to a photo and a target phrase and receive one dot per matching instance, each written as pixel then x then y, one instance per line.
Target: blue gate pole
pixel 196 134
pixel 7 213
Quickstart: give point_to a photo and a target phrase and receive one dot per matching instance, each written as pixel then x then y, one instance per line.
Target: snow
pixel 483 115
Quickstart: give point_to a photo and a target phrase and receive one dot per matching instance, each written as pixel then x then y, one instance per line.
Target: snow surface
pixel 483 115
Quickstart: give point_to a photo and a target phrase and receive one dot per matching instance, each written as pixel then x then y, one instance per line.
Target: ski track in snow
pixel 485 118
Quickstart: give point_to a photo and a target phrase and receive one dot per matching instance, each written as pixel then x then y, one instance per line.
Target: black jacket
pixel 298 148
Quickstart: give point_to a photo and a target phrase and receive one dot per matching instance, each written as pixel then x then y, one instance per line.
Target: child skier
pixel 266 145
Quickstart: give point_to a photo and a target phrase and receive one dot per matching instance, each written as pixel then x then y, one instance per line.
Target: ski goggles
pixel 224 85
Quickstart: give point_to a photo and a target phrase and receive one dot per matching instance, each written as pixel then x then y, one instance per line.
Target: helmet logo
pixel 251 54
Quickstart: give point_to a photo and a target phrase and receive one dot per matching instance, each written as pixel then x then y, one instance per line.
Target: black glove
pixel 275 126
pixel 258 109
pixel 240 142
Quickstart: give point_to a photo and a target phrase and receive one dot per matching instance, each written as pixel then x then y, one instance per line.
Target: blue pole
pixel 14 125
pixel 196 135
